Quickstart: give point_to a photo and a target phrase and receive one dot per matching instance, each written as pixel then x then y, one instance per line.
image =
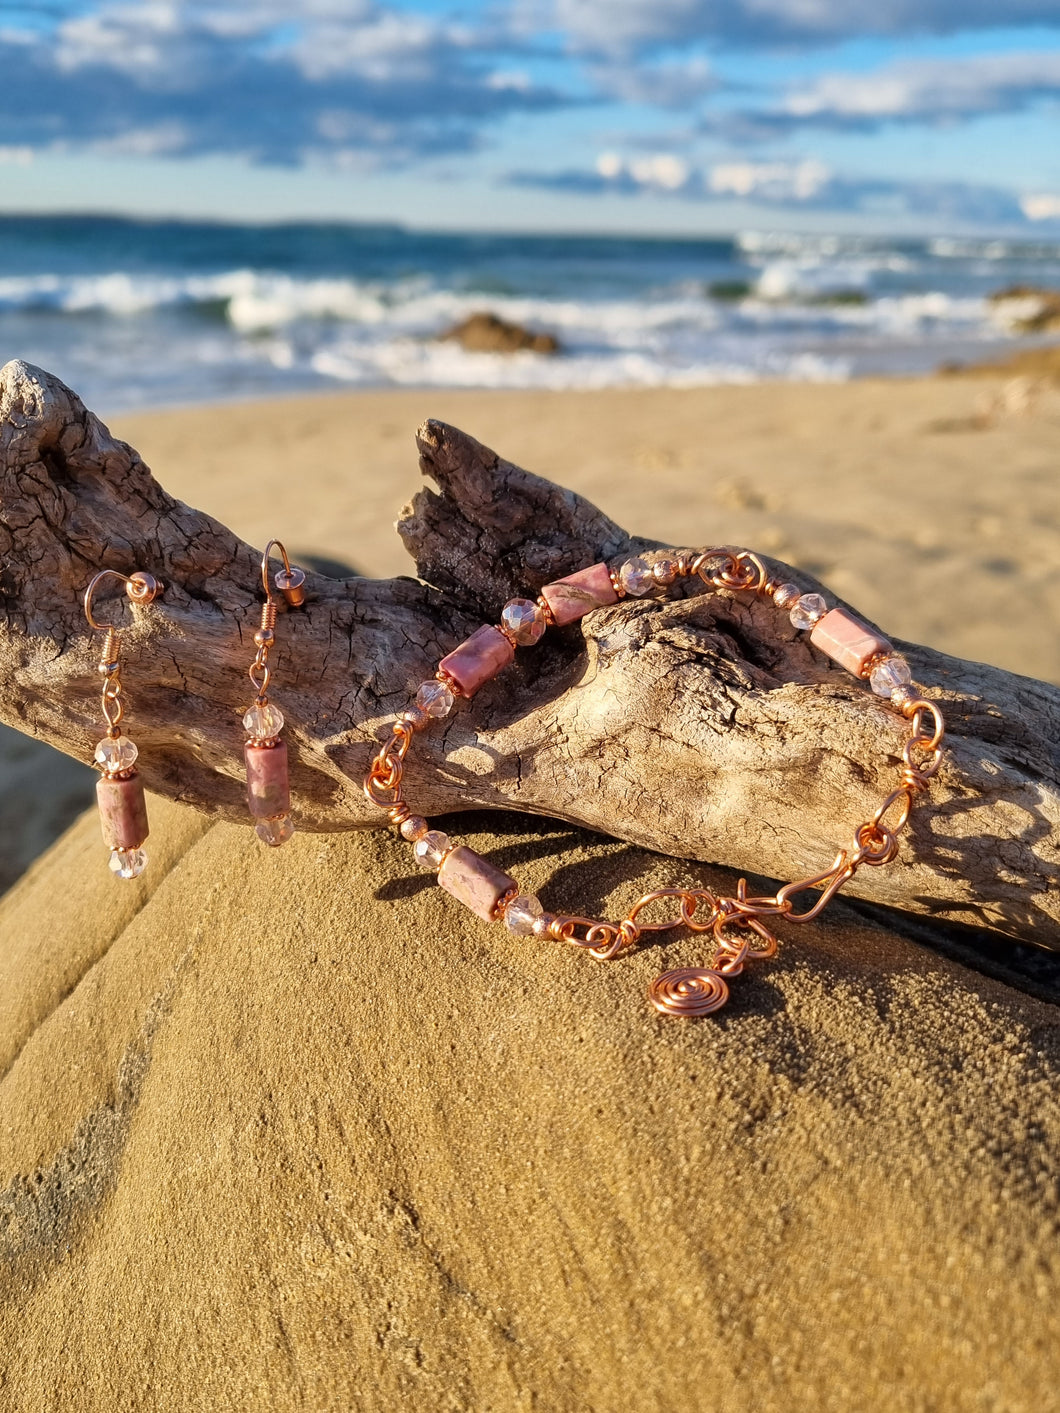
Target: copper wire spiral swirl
pixel 688 991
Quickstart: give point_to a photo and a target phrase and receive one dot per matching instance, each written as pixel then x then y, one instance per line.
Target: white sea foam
pixel 413 363
pixel 816 307
pixel 254 303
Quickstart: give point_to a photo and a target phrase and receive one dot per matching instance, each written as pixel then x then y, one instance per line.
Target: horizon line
pixel 1007 234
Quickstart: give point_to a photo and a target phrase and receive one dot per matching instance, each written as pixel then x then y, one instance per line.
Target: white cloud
pixel 928 90
pixel 666 83
pixel 664 171
pixel 769 181
pixel 1043 207
pixel 615 26
pixel 510 78
pixel 624 26
pixel 356 81
pixel 807 185
pixel 162 140
pixel 134 41
pixel 374 83
pixel 382 48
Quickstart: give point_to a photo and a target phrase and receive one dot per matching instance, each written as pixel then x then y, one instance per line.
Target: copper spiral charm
pixel 688 991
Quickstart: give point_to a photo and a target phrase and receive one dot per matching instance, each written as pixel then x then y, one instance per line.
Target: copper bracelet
pixel 738 925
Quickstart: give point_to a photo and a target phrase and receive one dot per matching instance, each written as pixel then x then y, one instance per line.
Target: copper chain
pixel 739 932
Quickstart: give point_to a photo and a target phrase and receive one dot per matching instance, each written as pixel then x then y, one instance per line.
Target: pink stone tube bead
pixel 847 640
pixel 268 795
pixel 476 883
pixel 122 811
pixel 579 593
pixel 478 659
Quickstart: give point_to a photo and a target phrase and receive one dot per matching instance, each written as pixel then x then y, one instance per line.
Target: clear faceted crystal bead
pixel 274 832
pixel 808 611
pixel 435 699
pixel 521 914
pixel 523 620
pixel 127 863
pixel 636 577
pixel 116 754
pixel 431 848
pixel 263 723
pixel 889 674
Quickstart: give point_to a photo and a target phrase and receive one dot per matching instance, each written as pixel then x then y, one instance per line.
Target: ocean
pixel 150 313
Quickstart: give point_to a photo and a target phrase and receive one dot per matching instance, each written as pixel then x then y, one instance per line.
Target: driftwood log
pixel 703 727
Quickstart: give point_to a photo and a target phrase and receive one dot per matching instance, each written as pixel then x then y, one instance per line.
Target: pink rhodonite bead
pixel 268 795
pixel 122 811
pixel 475 661
pixel 847 640
pixel 579 593
pixel 476 883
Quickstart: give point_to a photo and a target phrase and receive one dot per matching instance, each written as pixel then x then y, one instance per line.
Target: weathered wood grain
pixel 703 727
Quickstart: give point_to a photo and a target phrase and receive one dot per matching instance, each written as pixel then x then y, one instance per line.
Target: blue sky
pixel 669 116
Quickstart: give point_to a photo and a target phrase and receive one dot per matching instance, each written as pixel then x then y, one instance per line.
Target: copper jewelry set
pixel 740 927
pixel 120 791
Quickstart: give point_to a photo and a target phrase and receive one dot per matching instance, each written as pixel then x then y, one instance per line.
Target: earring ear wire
pixel 289 581
pixel 139 587
pixel 119 791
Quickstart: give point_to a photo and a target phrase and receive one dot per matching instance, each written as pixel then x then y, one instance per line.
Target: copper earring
pixel 268 792
pixel 120 791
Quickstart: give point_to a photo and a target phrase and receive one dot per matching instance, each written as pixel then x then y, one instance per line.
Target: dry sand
pixel 935 515
pixel 933 504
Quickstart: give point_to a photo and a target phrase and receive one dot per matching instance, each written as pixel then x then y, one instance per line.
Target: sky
pixel 642 116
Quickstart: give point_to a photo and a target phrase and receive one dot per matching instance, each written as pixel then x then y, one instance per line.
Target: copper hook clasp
pixel 139 588
pixel 290 581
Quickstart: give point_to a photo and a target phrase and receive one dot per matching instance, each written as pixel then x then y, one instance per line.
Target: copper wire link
pixel 737 924
pixel 108 658
pixel 139 588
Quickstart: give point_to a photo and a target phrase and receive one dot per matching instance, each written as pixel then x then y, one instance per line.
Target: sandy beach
pixel 929 503
pixel 924 501
pixel 435 1176
pixel 672 1028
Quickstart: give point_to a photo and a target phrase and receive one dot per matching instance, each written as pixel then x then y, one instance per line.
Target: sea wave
pixel 784 291
pixel 133 314
pixel 413 363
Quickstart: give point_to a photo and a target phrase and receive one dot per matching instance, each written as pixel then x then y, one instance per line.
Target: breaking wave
pixel 176 318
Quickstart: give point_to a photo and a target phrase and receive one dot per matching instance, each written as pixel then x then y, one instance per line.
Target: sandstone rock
pixel 489 333
pixel 41 792
pixel 1030 309
pixel 291 1130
